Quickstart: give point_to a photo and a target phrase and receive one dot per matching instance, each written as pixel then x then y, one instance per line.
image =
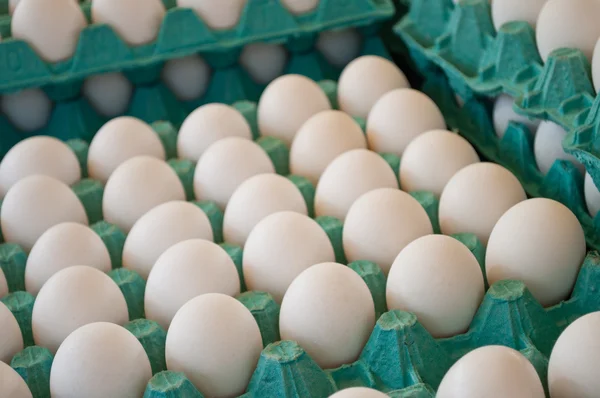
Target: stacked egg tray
pixel 400 358
pixel 458 53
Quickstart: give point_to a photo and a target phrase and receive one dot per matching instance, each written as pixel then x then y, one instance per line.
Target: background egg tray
pixel 182 33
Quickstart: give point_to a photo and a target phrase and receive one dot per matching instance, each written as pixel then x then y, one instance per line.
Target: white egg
pixel 503 113
pixel 320 140
pixel 185 270
pixel 12 384
pixel 160 228
pixel 381 223
pixel 28 110
pixel 492 372
pixel 12 4
pixel 35 204
pixel 437 278
pixel 347 177
pixel 432 158
pixel 3 284
pixel 328 309
pixel 256 198
pixel 358 392
pixel 62 246
pixel 51 28
pixel 339 47
pixel 147 17
pixel 187 77
pixel 109 93
pixel 364 81
pixel 208 124
pixel 119 140
pixel 279 248
pixel 575 359
pixel 264 61
pixel 216 342
pixel 104 359
pixel 516 10
pixel 596 66
pixel 568 23
pixel 71 298
pixel 38 155
pixel 136 186
pixel 547 147
pixel 12 339
pixel 400 116
pixel 225 165
pixel 592 195
pixel 476 197
pixel 298 7
pixel 225 16
pixel 540 242
pixel 287 103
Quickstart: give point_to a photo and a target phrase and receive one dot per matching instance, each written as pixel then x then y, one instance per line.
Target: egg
pixel 61 246
pixel 226 164
pixel 216 342
pixel 328 309
pixel 437 278
pixel 548 148
pixel 574 360
pixel 51 28
pixel 28 110
pixel 12 4
pixel 187 77
pixel 12 339
pixel 298 7
pixel 358 392
pixel 264 61
pixel 493 372
pixel 364 81
pixel 476 197
pixel 208 124
pixel 3 284
pixel 592 195
pixel 160 228
pixel 400 116
pixel 137 22
pixel 71 298
pixel 136 186
pixel 515 10
pixel 320 140
pixel 185 270
pixel 381 223
pixel 503 113
pixel 432 158
pixel 119 140
pixel 568 23
pixel 339 47
pixel 255 199
pixel 109 93
pixel 540 242
pixel 287 103
pixel 100 360
pixel 347 177
pixel 279 248
pixel 12 384
pixel 225 16
pixel 35 204
pixel 596 66
pixel 38 155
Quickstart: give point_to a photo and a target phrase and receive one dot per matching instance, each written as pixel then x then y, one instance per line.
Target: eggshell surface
pixel 147 14
pixel 339 47
pixel 100 360
pixel 225 16
pixel 12 339
pixel 279 248
pixel 329 311
pixel 504 113
pixel 109 93
pixel 264 61
pixel 3 284
pixel 548 148
pixel 540 242
pixel 28 110
pixel 358 392
pixel 161 228
pixel 187 77
pixel 298 7
pixel 216 342
pixel 592 195
pixel 12 384
pixel 347 177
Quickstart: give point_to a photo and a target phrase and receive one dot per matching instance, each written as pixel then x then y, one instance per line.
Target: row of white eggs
pixel 188 78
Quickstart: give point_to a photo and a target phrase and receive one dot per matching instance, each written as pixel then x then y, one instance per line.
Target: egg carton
pixel 73 117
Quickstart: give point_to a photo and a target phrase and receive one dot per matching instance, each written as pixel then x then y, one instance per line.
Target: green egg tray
pixel 482 62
